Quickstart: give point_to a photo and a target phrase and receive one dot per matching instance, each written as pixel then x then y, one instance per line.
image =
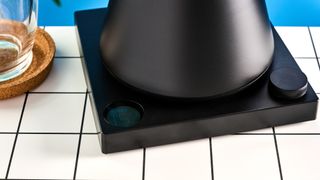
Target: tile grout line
pixel 314 47
pixel 96 133
pixel 246 133
pixel 36 179
pixel 80 136
pixel 211 158
pixel 293 134
pixel 16 137
pixel 4 133
pixel 144 164
pixel 298 134
pixel 56 133
pixel 68 57
pixel 305 58
pixel 57 92
pixel 277 152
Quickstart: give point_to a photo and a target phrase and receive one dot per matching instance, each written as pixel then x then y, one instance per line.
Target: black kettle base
pixel 128 119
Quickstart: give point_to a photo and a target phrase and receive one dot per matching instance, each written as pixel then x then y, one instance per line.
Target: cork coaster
pixel 43 53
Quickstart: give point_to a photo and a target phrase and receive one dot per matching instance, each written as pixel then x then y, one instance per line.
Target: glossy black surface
pixel 187 49
pixel 167 121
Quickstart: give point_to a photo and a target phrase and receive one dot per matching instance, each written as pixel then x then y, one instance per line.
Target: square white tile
pixel 311 69
pixel 299 156
pixel 89 124
pixel 6 142
pixel 245 157
pixel 65 39
pixel 315 32
pixel 53 113
pixel 298 41
pixel 117 166
pixel 44 157
pixel 187 161
pixel 66 76
pixel 10 112
pixel 303 127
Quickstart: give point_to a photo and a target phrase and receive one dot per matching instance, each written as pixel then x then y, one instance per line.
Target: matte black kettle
pixel 187 48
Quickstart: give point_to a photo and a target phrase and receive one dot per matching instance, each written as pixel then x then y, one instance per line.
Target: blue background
pixel 281 12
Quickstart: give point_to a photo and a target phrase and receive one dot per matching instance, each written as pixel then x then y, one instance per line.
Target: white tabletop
pixel 49 133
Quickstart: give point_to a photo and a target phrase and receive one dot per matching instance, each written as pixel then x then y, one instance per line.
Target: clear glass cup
pixel 18 23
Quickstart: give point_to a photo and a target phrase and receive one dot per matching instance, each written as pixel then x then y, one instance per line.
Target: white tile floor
pixel 44 156
pixel 315 31
pixel 6 141
pixel 179 161
pixel 47 143
pixel 297 40
pixel 57 113
pixel 246 157
pixel 119 166
pixel 89 124
pixel 299 156
pixel 66 42
pixel 66 76
pixel 10 111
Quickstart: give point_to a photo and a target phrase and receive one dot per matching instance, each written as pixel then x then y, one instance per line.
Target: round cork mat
pixel 43 53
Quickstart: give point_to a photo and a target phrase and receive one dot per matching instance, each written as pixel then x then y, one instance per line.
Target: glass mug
pixel 18 24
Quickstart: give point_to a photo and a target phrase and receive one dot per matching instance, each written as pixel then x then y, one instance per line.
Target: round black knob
pixel 288 83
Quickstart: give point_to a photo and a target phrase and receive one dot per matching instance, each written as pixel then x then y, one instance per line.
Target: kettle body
pixel 187 48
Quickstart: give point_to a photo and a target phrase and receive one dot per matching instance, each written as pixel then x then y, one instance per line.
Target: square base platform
pixel 165 121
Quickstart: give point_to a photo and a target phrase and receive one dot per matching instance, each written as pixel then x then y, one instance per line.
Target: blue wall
pixel 294 12
pixel 282 12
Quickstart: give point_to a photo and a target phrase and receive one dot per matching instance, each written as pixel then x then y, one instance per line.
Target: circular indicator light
pixel 123 114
